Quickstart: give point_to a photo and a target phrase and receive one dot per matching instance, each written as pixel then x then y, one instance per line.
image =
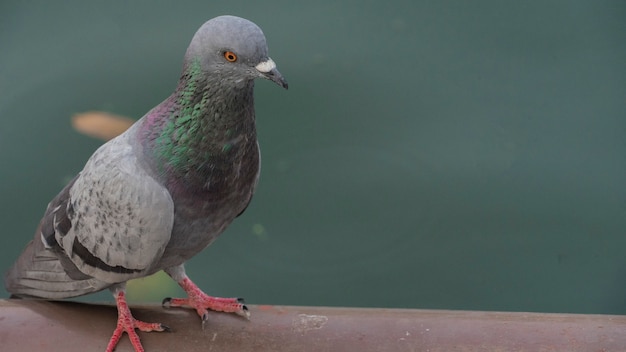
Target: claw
pixel 205 319
pixel 166 302
pixel 244 312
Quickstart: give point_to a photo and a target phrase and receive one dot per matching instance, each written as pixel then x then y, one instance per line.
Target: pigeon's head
pixel 233 51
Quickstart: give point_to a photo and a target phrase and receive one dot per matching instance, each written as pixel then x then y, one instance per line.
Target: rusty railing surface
pixel 30 325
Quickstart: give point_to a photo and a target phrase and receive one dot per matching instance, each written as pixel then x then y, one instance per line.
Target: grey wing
pixel 109 224
pixel 43 269
pixel 118 219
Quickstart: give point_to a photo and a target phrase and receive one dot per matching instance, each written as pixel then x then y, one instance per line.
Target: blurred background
pixel 428 154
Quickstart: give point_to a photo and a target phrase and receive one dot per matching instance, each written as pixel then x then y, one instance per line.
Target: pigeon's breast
pixel 210 200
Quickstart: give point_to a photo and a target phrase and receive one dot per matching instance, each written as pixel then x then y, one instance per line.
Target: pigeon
pixel 161 192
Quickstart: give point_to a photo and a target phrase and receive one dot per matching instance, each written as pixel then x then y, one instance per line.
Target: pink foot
pixel 127 323
pixel 202 302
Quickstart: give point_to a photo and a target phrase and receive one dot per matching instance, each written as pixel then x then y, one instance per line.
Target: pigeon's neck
pixel 201 128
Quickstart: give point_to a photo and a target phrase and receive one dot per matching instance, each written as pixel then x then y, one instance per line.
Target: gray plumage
pixel 158 194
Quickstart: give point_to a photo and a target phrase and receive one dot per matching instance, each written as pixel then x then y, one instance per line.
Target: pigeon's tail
pixel 38 272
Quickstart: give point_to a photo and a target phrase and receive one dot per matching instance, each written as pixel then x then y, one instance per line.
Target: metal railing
pixel 30 325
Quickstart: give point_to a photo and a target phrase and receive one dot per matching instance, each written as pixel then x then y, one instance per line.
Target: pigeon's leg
pixel 199 300
pixel 127 323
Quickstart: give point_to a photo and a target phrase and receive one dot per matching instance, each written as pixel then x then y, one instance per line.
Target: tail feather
pixel 39 272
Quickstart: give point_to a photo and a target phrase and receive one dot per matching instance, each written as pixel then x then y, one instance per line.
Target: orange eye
pixel 230 56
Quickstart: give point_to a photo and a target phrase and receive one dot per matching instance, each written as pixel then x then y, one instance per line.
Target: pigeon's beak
pixel 268 70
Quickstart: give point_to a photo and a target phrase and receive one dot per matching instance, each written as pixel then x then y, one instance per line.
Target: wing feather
pixel 120 218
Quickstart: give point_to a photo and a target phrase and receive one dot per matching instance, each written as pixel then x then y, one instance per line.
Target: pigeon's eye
pixel 230 56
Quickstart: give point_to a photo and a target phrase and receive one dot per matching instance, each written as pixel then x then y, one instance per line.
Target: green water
pixel 428 154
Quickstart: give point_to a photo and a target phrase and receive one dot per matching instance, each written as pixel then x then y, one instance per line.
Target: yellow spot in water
pixel 101 125
pixel 153 288
pixel 259 231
